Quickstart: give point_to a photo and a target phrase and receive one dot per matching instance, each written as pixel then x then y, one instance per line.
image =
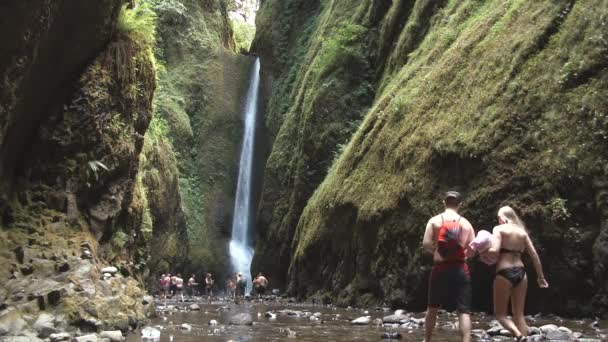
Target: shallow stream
pixel 333 325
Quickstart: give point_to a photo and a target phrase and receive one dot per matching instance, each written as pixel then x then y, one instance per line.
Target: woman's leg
pixel 502 292
pixel 518 303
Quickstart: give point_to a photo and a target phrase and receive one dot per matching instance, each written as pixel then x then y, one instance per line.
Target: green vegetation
pixel 501 101
pixel 243 35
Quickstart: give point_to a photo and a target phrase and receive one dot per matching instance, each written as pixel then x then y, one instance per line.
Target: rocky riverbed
pixel 278 320
pixel 274 319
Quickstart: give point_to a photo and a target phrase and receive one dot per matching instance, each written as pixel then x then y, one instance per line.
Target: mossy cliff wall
pixel 78 95
pixel 501 100
pixel 199 106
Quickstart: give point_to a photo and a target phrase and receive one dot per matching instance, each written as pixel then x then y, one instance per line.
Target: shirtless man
pixel 179 286
pixel 446 237
pixel 192 285
pixel 260 283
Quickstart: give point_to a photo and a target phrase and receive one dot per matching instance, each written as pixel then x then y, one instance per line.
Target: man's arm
pixel 428 242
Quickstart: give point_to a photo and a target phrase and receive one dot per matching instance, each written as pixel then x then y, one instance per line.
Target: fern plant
pixel 139 23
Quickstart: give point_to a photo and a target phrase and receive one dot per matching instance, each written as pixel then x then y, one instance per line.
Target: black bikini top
pixel 506 250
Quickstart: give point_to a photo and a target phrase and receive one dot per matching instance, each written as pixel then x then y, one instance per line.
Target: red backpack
pixel 448 241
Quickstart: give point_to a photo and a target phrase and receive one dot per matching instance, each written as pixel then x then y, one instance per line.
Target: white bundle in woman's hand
pixel 482 244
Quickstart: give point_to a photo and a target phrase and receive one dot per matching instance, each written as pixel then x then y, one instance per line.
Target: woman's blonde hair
pixel 511 217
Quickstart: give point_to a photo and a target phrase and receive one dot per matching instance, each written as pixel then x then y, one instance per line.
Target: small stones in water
pixel 392 336
pixel 365 320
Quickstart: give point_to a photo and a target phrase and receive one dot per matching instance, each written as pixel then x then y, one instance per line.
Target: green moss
pixel 500 100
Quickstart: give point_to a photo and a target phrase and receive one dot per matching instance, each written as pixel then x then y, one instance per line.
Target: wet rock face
pixel 494 131
pixel 38 56
pixel 77 209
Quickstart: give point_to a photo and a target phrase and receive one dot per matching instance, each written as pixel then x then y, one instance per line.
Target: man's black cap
pixel 453 195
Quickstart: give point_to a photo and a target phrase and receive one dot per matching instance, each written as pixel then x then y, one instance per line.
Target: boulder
pixel 364 320
pixel 21 339
pixel 396 318
pixel 195 307
pixel 45 325
pixel 150 334
pixel 185 326
pixel 241 319
pixel 495 331
pixel 86 338
pixel 558 335
pixel 11 323
pixel 58 337
pixel 565 329
pixel 109 269
pixel 212 322
pixel 147 300
pixel 392 335
pixel 114 335
pixel 548 327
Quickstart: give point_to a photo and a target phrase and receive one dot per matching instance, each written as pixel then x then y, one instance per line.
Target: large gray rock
pixel 86 338
pixel 45 325
pixel 109 269
pixel 60 337
pixel 21 339
pixel 11 323
pixel 195 307
pixel 558 335
pixel 150 334
pixel 241 319
pixel 365 320
pixel 548 327
pixel 114 335
pixel 396 318
pixel 534 331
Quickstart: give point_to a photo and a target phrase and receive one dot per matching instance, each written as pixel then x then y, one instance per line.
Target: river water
pixel 334 324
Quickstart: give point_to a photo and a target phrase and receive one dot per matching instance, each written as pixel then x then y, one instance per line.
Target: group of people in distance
pixel 451 239
pixel 236 286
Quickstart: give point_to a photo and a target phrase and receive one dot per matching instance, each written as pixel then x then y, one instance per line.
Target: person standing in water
pixel 209 285
pixel 446 237
pixel 179 286
pixel 192 284
pixel 260 283
pixel 511 240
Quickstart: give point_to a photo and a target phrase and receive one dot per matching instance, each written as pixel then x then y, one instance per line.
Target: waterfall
pixel 241 252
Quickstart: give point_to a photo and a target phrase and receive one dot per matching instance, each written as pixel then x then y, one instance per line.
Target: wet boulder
pixel 364 320
pixel 241 319
pixel 59 337
pixel 86 338
pixel 548 327
pixel 150 334
pixel 558 335
pixel 195 307
pixel 114 335
pixel 398 317
pixel 109 269
pixel 45 325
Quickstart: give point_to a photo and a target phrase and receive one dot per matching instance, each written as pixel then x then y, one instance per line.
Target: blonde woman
pixel 511 241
